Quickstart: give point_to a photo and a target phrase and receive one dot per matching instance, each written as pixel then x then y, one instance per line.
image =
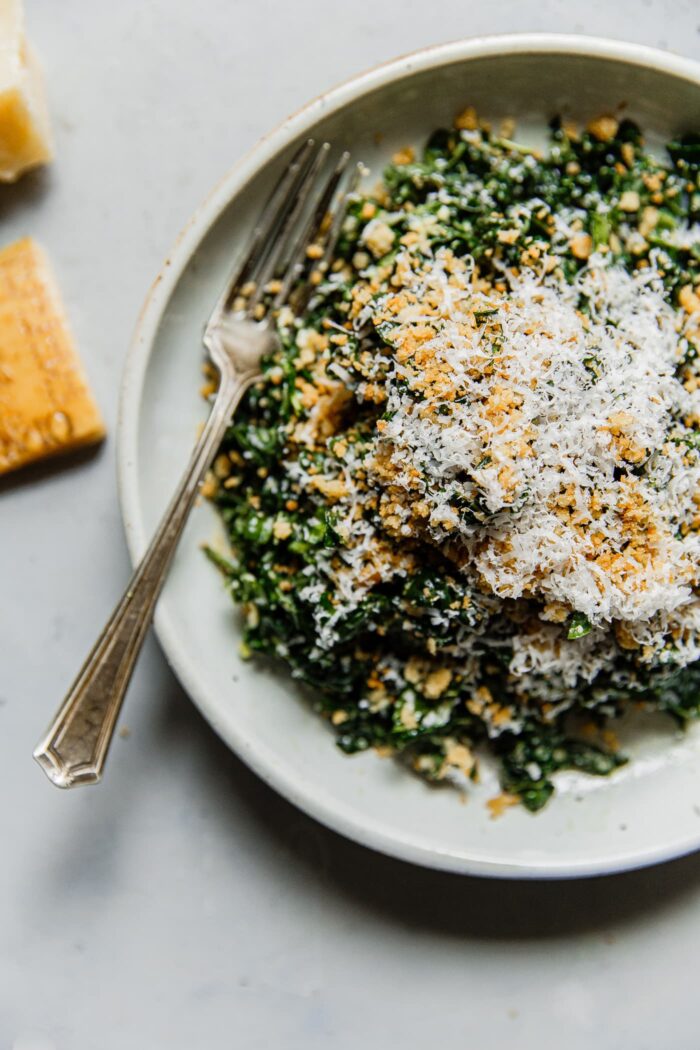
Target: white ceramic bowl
pixel 647 812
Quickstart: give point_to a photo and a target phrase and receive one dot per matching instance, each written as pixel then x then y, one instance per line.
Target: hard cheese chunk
pixel 45 404
pixel 25 138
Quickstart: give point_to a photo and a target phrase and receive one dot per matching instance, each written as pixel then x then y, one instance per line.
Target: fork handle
pixel 74 748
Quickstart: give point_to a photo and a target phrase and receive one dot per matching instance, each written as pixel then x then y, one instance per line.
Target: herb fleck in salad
pixel 464 502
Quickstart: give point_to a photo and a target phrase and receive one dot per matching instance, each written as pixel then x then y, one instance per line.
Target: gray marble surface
pixel 182 904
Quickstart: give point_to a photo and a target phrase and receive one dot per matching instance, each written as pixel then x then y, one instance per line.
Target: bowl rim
pixel 301 794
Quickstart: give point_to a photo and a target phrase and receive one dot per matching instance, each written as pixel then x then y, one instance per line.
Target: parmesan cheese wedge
pixel 25 138
pixel 45 404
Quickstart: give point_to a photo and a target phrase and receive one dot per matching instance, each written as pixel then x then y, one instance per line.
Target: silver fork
pixel 304 206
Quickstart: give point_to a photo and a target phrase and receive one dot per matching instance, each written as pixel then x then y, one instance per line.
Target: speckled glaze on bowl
pixel 650 810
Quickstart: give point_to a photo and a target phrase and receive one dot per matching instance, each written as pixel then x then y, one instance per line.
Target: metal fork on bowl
pixel 306 209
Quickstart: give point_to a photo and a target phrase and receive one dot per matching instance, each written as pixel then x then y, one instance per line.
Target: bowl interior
pixel 648 810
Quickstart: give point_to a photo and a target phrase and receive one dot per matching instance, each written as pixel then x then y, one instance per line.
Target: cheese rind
pixel 25 136
pixel 45 404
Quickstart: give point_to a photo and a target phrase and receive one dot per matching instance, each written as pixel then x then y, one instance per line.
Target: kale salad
pixel 464 500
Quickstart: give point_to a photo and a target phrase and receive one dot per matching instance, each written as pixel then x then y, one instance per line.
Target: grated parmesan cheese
pixel 524 409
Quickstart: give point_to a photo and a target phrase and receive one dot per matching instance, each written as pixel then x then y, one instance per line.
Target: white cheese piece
pixel 25 137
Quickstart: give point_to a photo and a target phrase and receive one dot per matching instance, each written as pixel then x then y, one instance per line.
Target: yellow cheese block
pixel 25 137
pixel 45 403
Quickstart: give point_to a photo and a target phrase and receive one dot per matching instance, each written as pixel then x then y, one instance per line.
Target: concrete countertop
pixel 183 904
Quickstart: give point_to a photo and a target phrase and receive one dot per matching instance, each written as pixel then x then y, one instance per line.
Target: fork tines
pixel 296 233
